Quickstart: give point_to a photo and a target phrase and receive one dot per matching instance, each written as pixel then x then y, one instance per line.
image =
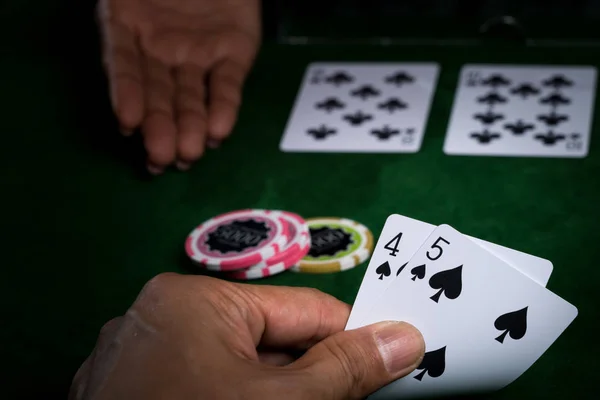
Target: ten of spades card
pixel 535 111
pixel 361 107
pixel 484 323
pixel 400 238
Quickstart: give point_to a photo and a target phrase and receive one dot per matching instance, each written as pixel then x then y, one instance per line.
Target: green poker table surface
pixel 83 227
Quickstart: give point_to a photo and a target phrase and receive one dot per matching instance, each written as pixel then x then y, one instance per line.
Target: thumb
pixel 355 363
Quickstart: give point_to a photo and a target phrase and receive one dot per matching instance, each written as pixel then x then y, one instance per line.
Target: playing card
pixel 361 107
pixel 536 111
pixel 400 238
pixel 484 323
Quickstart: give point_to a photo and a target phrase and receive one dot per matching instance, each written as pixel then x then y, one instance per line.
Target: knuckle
pixel 167 287
pixel 159 287
pixel 109 328
pixel 234 303
pixel 192 102
pixel 222 292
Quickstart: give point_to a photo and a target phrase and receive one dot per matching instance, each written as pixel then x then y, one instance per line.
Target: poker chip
pixel 254 243
pixel 238 239
pixel 297 247
pixel 262 270
pixel 298 237
pixel 337 244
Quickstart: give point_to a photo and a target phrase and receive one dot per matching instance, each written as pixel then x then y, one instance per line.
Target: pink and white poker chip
pixel 238 239
pixel 297 247
pixel 263 271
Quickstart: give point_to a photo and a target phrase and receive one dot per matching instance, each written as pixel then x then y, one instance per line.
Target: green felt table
pixel 83 228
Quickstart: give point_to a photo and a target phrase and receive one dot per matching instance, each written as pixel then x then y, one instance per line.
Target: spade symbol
pixel 485 137
pixel 448 282
pixel 339 78
pixel 496 80
pixel 491 99
pixel 558 81
pixel 513 323
pixel 321 132
pixel 385 133
pixel 488 118
pixel 555 100
pixel 401 268
pixel 418 272
pixel 550 138
pixel 383 270
pixel 433 364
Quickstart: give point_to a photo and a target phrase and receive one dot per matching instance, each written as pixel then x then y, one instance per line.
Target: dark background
pixel 541 22
pixel 68 179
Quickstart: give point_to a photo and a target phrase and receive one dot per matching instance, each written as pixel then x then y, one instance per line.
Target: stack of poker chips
pixel 252 244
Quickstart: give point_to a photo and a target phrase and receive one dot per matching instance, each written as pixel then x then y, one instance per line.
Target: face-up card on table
pixel 528 111
pixel 400 238
pixel 484 323
pixel 361 108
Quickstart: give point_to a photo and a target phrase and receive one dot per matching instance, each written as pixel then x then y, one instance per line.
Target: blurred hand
pixel 191 337
pixel 176 69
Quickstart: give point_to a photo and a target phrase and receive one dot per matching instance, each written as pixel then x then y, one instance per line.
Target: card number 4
pixel 393 245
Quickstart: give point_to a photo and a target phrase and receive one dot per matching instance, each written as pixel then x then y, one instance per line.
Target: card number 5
pixel 436 249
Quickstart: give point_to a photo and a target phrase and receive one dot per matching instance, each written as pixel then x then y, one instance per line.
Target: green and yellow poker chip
pixel 337 244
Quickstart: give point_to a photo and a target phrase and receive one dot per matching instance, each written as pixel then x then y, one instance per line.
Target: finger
pixel 81 386
pixel 355 363
pixel 81 378
pixel 272 317
pixel 122 63
pixel 294 317
pixel 225 94
pixel 158 129
pixel 190 108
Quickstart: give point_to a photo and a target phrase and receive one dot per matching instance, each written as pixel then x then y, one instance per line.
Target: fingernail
pixel 213 144
pixel 401 346
pixel 182 165
pixel 154 169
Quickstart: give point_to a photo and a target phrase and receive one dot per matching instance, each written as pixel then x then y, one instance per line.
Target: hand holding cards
pixel 485 319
